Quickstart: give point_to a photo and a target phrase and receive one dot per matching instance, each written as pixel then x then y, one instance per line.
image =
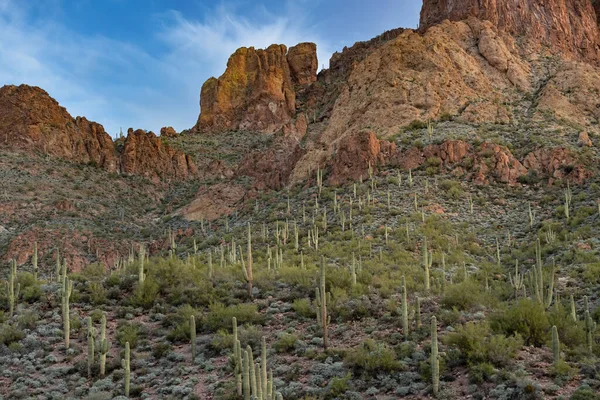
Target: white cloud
pixel 120 84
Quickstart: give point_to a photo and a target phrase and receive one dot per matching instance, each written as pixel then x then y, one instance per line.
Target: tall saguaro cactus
pixel 405 328
pixel 193 336
pixel 34 261
pixel 91 352
pixel 66 292
pixel 321 301
pixel 126 364
pixel 103 345
pixel 555 345
pixel 248 267
pixel 13 293
pixel 435 362
pixel 426 263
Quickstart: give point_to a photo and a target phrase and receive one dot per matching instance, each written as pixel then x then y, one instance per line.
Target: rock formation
pixel 31 120
pixel 145 154
pixel 257 92
pixel 567 26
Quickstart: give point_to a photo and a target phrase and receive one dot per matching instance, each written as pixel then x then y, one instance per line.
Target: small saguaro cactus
pixel 193 336
pixel 246 386
pixel 568 200
pixel 590 326
pixel 91 352
pixel 13 293
pixel 573 310
pixel 435 362
pixel 405 328
pixel 517 281
pixel 126 364
pixel 353 270
pixel 58 266
pixel 426 263
pixel 103 345
pixel 418 312
pixel 141 274
pixel 34 261
pixel 321 301
pixel 555 345
pixel 66 292
pixel 248 267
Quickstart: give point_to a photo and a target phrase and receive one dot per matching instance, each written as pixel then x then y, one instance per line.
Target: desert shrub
pixel 248 335
pixel 145 294
pixel 180 323
pixel 571 334
pixel 452 189
pixel 31 290
pixel 303 308
pixel 416 124
pixel 526 318
pixel 27 320
pixel 96 292
pixel 10 334
pixel 128 333
pixel 371 357
pixel 286 342
pixel 220 316
pixel 338 386
pixel 463 296
pixel 480 373
pixel 161 349
pixel 584 392
pixel 478 345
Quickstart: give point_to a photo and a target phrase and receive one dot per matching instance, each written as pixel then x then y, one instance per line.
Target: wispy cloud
pixel 120 84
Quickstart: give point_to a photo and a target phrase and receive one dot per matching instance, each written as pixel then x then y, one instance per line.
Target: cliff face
pixel 257 92
pixel 569 26
pixel 145 154
pixel 32 121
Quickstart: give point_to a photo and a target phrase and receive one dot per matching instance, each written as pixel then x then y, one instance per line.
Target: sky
pixel 142 63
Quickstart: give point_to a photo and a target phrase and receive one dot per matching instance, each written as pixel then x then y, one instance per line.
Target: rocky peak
pixel 569 26
pixel 32 120
pixel 145 154
pixel 257 92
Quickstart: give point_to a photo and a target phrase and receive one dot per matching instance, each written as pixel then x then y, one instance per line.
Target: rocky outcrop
pixel 565 26
pixel 145 154
pixel 31 120
pixel 213 202
pixel 168 131
pixel 357 153
pixel 257 91
pixel 557 163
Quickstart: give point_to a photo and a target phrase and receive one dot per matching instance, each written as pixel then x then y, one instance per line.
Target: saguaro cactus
pixel 103 345
pixel 13 293
pixel 405 328
pixel 435 362
pixel 66 292
pixel 555 345
pixel 246 374
pixel 248 267
pixel 418 312
pixel 321 301
pixel 193 336
pixel 141 274
pixel 126 364
pixel 426 263
pixel 90 340
pixel 34 261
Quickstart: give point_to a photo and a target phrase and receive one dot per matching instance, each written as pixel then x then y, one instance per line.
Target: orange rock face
pixel 145 154
pixel 32 120
pixel 570 26
pixel 168 131
pixel 257 92
pixel 557 163
pixel 356 153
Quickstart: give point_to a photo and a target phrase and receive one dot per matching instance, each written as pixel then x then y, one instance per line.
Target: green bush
pixel 145 294
pixel 463 296
pixel 128 333
pixel 10 334
pixel 286 343
pixel 31 290
pixel 526 318
pixel 478 345
pixel 180 323
pixel 160 350
pixel 338 386
pixel 480 373
pixel 27 320
pixel 219 316
pixel 303 308
pixel 371 357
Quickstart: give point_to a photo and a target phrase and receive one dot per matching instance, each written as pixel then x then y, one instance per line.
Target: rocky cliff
pixel 31 120
pixel 568 26
pixel 257 92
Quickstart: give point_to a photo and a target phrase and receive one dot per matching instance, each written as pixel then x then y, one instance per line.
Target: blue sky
pixel 141 63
